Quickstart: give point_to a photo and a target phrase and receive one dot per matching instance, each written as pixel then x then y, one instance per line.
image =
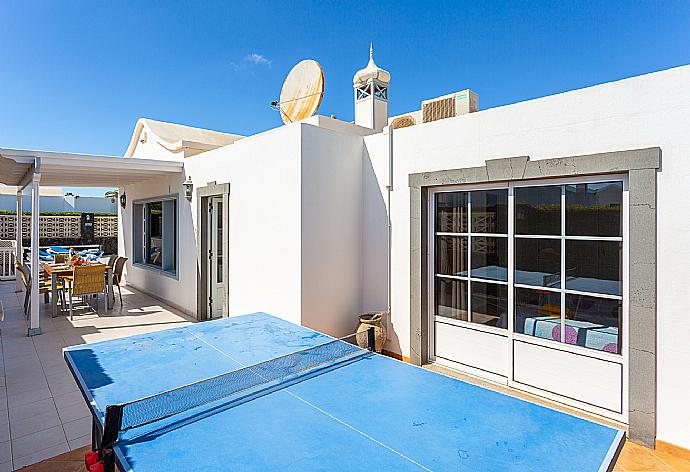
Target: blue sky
pixel 76 76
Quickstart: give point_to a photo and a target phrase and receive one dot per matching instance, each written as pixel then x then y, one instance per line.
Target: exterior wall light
pixel 188 186
pixel 123 200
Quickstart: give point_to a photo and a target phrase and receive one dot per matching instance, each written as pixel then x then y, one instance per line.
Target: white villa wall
pixel 264 229
pixel 331 230
pixel 646 111
pixel 294 231
pixel 163 286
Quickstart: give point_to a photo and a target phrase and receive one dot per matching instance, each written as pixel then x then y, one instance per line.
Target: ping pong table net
pixel 239 383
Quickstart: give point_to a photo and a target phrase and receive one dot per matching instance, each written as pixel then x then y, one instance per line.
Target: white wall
pixel 163 286
pixel 331 230
pixel 646 111
pixel 264 229
pixel 294 231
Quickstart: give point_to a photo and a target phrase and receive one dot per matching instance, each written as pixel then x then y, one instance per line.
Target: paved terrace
pixel 42 413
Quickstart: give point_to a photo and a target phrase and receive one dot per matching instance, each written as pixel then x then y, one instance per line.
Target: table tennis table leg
pixel 96 434
pixel 371 339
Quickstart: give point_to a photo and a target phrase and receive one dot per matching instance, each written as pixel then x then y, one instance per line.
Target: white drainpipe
pixel 389 189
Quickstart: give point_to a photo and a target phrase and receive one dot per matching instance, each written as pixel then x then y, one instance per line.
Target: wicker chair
pixel 88 280
pixel 45 287
pixel 117 274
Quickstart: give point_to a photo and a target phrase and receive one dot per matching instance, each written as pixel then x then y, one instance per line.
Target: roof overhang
pixel 17 167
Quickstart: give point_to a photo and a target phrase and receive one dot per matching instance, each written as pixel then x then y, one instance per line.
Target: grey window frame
pixel 641 166
pixel 139 237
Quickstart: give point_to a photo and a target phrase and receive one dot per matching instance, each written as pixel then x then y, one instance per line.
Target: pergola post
pixel 34 323
pixel 19 256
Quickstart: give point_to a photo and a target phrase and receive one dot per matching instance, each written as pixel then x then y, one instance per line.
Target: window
pixel 471 248
pixel 155 234
pixel 567 263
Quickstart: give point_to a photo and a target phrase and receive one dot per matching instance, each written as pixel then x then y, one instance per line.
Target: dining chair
pixel 87 280
pixel 45 287
pixel 117 274
pixel 111 260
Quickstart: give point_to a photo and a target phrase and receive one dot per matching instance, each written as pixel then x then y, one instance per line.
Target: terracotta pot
pixel 366 321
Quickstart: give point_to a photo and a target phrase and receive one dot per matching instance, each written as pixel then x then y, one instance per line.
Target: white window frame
pixel 509 333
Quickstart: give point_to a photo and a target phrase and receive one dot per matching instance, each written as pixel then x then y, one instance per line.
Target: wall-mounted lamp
pixel 123 200
pixel 188 186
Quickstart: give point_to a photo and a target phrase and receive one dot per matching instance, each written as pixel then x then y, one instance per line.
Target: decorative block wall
pixel 57 227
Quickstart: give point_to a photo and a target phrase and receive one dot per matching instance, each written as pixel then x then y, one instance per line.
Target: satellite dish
pixel 302 92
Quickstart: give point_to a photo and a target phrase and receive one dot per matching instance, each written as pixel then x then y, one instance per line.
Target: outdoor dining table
pixel 63 270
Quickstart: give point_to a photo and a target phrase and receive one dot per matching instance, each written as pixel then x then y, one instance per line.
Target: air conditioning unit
pixel 448 106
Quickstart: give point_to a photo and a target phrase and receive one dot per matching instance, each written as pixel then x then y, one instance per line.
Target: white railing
pixel 7 254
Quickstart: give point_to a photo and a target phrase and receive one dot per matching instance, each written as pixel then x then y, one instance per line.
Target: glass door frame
pixel 509 331
pixel 215 245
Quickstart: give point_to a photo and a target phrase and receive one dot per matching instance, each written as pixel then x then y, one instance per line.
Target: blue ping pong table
pixel 366 412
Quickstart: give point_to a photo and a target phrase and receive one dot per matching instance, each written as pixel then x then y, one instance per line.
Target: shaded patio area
pixel 42 412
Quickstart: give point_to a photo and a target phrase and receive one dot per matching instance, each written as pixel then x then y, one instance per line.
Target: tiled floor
pixel 42 413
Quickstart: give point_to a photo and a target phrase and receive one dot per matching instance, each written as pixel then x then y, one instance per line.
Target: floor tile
pixel 69 399
pixel 636 458
pixel 41 407
pixel 34 424
pixel 28 397
pixel 78 428
pixel 41 454
pixel 5 451
pixel 27 445
pixel 80 442
pixel 74 412
pixel 676 457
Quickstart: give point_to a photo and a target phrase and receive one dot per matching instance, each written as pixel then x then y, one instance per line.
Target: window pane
pixel 538 210
pixel 451 298
pixel 490 258
pixel 138 233
pixel 538 262
pixel 451 212
pixel 154 238
pixel 593 266
pixel 219 243
pixel 490 211
pixel 490 304
pixel 594 209
pixel 593 322
pixel 451 255
pixel 538 313
pixel 169 230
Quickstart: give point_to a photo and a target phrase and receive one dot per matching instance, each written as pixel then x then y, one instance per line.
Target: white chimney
pixel 371 95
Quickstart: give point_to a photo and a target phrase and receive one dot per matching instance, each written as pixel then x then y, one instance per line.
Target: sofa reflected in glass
pixel 591 322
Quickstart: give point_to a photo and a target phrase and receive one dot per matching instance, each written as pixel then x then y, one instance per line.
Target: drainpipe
pixel 389 189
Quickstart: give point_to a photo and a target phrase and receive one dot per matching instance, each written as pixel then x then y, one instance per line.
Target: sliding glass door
pixel 531 274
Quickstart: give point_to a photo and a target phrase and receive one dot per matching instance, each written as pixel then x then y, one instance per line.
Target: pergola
pixel 31 169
